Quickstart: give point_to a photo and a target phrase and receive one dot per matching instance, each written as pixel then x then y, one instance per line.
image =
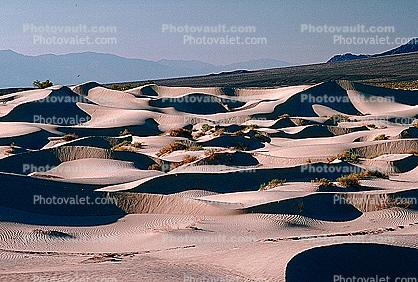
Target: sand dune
pixel 208 184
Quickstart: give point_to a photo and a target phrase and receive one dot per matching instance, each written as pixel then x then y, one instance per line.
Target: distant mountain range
pixel 20 70
pixel 411 46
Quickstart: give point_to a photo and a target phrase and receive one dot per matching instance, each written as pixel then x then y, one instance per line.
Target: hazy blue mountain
pixel 411 46
pixel 20 70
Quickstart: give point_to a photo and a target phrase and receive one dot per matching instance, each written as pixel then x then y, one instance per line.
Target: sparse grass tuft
pixel 195 148
pixel 42 84
pixel 350 180
pixel 348 156
pixel 322 182
pixel 381 137
pixel 120 146
pixel 186 160
pixel 179 132
pixel 10 150
pixel 206 127
pixel 154 166
pixel 69 137
pixel 175 146
pixel 124 132
pixel 353 179
pixel 121 87
pixel 272 184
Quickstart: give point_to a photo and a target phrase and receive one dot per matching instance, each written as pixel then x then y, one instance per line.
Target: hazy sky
pixel 135 28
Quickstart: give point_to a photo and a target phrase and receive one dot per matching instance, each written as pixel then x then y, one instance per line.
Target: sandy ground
pixel 165 183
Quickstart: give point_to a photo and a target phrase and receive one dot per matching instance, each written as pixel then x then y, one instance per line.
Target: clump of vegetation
pixel 175 146
pixel 406 85
pixel 251 127
pixel 120 146
pixel 323 182
pixel 186 160
pixel 124 132
pixel 238 133
pixel 154 166
pixel 69 137
pixel 10 150
pixel 137 145
pixel 195 148
pixel 272 184
pixel 42 84
pixel 300 121
pixel 263 137
pixel 53 233
pixel 219 132
pixel 353 179
pixel 348 156
pixel 206 127
pixel 350 180
pixel 375 173
pixel 122 87
pixel 179 132
pixel 283 116
pixel 372 126
pixel 211 155
pixel 381 137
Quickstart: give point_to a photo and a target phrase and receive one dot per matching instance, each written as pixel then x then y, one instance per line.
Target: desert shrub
pixel 10 150
pixel 238 133
pixel 380 137
pixel 263 137
pixel 124 132
pixel 206 127
pixel 53 233
pixel 195 148
pixel 283 116
pixel 119 147
pixel 121 87
pixel 219 132
pixel 348 156
pixel 69 137
pixel 137 145
pixel 350 180
pixel 42 84
pixel 300 122
pixel 353 179
pixel 154 166
pixel 186 160
pixel 251 127
pixel 175 146
pixel 376 173
pixel 179 132
pixel 373 126
pixel 322 182
pixel 272 184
